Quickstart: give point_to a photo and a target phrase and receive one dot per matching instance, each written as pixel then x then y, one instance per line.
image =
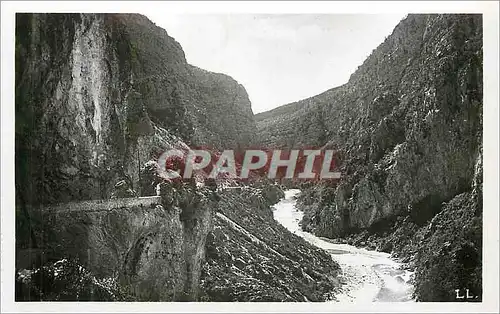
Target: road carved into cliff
pixel 367 276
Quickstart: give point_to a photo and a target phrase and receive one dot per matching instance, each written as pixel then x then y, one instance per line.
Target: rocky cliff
pixel 135 249
pixel 98 98
pixel 99 95
pixel 408 131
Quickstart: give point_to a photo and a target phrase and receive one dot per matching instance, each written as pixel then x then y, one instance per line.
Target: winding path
pixel 368 276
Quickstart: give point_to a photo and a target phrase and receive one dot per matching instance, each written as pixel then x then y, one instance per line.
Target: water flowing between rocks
pixel 367 276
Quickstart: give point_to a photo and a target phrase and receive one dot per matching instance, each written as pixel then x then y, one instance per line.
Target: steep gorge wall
pixel 97 97
pixel 407 126
pixel 408 131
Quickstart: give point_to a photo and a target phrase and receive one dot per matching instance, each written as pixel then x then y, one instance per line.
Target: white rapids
pixel 367 276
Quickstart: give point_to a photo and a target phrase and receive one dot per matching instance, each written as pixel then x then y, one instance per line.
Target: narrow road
pixel 368 276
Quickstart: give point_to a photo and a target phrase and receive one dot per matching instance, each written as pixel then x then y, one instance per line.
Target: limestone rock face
pixel 99 95
pixel 407 128
pixel 98 98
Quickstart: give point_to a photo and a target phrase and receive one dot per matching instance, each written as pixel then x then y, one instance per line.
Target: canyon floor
pixel 368 276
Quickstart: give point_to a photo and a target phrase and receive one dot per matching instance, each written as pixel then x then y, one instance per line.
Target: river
pixel 367 276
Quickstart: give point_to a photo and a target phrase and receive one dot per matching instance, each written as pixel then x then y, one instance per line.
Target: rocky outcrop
pixel 407 128
pixel 145 249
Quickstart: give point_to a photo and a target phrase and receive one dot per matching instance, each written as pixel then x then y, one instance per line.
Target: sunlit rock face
pixel 408 130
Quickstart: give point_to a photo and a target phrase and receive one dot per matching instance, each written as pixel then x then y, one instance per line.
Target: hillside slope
pixel 251 257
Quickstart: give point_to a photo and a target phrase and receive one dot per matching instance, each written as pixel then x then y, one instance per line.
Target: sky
pixel 279 58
